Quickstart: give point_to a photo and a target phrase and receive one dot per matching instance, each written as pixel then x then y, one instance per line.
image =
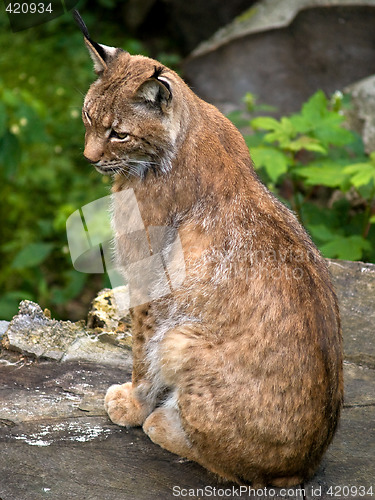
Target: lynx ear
pixel 100 54
pixel 156 91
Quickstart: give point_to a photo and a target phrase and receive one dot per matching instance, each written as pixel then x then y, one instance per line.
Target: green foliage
pixel 320 169
pixel 41 186
pixel 32 255
pixel 45 72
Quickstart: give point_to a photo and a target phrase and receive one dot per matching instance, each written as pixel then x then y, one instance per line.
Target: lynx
pixel 240 367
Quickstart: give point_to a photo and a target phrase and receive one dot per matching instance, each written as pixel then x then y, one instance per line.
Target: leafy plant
pixel 320 169
pixel 35 177
pixel 45 71
pixel 43 176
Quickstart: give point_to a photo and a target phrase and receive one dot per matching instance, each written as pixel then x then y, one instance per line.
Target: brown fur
pixel 240 368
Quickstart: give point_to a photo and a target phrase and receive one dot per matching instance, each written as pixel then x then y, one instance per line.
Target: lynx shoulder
pixel 240 366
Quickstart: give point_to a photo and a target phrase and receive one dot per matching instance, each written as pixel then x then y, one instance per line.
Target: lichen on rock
pixel 33 333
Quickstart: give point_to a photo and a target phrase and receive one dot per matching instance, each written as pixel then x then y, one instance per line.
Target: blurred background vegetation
pixel 45 72
pixel 309 160
pixel 320 169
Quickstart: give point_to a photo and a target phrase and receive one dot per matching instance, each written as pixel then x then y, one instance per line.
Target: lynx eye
pixel 121 136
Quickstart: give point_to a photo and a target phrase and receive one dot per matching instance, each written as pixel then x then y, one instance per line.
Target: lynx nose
pixel 91 159
pixel 93 151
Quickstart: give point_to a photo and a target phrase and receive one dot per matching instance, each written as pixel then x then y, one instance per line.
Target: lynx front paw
pixel 122 407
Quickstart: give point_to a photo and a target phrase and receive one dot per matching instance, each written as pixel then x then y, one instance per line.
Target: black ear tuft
pixel 82 26
pixel 157 72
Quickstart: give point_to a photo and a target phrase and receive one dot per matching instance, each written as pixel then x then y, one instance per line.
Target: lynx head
pixel 130 112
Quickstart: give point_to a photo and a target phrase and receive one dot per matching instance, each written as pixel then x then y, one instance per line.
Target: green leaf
pixel 307 143
pixel 326 173
pixel 316 107
pixel 284 133
pixel 322 232
pixel 265 123
pixel 316 120
pixel 254 140
pixel 361 174
pixel 32 255
pixel 281 131
pixel 372 220
pixel 346 247
pixel 312 114
pixel 300 123
pixel 274 162
pixel 334 134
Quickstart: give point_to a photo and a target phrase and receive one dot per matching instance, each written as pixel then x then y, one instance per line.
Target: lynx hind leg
pixel 124 406
pixel 164 428
pixel 163 425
